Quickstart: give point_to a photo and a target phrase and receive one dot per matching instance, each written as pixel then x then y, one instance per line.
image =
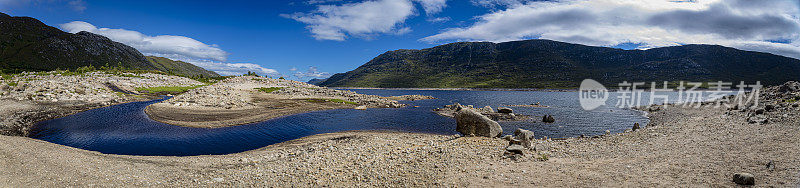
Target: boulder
pixel 548 119
pixel 469 123
pixel 504 110
pixel 744 179
pixel 769 107
pixel 790 86
pixel 515 149
pixel 525 137
pixel 362 107
pixel 487 109
pixel 636 126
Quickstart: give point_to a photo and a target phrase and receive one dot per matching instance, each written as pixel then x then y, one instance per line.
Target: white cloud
pixel 744 24
pixel 312 72
pixel 364 19
pixel 77 5
pixel 180 48
pixel 224 68
pixel 432 6
pixel 496 3
pixel 161 44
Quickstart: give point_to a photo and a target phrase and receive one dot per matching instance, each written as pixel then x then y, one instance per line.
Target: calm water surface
pixel 126 129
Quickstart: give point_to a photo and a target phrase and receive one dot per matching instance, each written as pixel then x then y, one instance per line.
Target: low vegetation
pixel 169 89
pixel 269 90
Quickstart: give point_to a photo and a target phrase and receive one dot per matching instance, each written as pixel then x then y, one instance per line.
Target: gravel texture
pixel 41 96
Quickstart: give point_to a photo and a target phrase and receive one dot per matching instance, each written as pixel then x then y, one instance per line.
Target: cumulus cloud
pixel 744 24
pixel 496 3
pixel 180 48
pixel 432 6
pixel 364 19
pixel 161 44
pixel 312 72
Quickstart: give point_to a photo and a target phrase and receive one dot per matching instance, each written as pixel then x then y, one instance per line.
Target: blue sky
pixel 305 39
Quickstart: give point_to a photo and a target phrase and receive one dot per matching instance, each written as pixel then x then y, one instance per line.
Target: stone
pixel 744 179
pixel 504 110
pixel 636 126
pixel 758 119
pixel 548 119
pixel 469 122
pixel 760 111
pixel 516 149
pixel 525 137
pixel 362 107
pixel 795 105
pixel 487 109
pixel 769 107
pixel 790 86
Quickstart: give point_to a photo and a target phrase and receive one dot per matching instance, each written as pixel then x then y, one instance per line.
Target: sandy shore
pixel 684 147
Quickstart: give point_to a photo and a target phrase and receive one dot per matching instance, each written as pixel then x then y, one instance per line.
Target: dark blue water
pixel 126 129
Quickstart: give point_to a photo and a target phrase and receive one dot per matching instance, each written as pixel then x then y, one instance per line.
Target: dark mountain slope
pixel 179 67
pixel 552 64
pixel 26 44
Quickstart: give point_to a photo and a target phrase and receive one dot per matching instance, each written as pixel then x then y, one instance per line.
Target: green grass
pixel 268 90
pixel 12 84
pixel 331 100
pixel 167 89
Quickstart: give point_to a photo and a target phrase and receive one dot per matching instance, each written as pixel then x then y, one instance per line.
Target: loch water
pixel 126 129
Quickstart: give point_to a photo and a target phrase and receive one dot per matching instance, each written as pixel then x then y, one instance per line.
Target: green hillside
pixel 27 44
pixel 552 64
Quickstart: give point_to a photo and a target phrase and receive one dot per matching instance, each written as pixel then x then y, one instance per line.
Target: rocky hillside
pixel 552 64
pixel 179 67
pixel 27 44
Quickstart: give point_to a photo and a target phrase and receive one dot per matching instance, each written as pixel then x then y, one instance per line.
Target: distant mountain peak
pixel 542 63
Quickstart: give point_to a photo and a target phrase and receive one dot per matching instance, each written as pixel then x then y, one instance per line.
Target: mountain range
pixel 551 64
pixel 27 44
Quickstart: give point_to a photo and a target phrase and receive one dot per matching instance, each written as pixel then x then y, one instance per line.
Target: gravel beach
pixel 681 147
pixel 249 99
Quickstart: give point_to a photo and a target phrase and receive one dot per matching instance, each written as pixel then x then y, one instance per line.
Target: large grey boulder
pixel 744 179
pixel 471 123
pixel 525 137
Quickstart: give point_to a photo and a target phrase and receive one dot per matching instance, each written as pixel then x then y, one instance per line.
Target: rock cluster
pixel 471 123
pixel 548 119
pixel 31 97
pixel 90 87
pixel 237 92
pixel 411 97
pixel 312 91
pixel 450 110
pixel 774 103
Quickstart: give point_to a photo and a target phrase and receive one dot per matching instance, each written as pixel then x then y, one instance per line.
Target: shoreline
pixel 672 152
pixel 680 146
